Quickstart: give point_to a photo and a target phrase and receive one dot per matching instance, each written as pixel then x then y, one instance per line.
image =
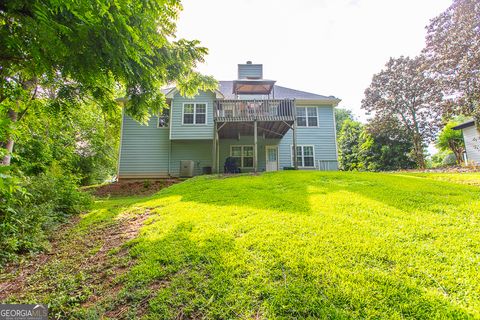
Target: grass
pixel 286 245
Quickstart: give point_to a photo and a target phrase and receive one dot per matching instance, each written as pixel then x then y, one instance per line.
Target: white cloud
pixel 330 47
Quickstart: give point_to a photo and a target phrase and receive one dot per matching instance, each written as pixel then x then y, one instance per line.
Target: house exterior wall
pixel 471 135
pixel 321 137
pixel 199 151
pixel 144 149
pixel 180 131
pixel 149 152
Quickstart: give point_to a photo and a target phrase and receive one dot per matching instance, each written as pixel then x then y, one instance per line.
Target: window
pixel 307 117
pixel 243 155
pixel 195 113
pixel 164 118
pixel 305 156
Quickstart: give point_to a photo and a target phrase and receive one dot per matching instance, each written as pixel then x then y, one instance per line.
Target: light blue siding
pixel 199 151
pixel 250 71
pixel 180 131
pixel 147 151
pixel 321 137
pixel 144 149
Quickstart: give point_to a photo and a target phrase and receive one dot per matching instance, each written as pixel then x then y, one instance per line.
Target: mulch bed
pixel 131 188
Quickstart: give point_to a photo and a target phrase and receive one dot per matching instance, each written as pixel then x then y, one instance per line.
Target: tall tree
pixel 74 51
pixel 404 91
pixel 453 52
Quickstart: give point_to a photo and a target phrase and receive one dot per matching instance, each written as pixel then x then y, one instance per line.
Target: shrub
pixel 31 207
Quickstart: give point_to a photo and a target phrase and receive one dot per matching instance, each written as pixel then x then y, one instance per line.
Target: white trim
pixel 303 156
pixel 194 114
pixel 266 155
pixel 330 102
pixel 242 156
pixel 306 116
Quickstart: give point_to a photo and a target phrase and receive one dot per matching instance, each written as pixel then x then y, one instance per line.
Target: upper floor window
pixel 307 117
pixel 195 113
pixel 164 118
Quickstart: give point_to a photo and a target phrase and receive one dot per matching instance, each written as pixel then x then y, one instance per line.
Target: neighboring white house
pixel 471 136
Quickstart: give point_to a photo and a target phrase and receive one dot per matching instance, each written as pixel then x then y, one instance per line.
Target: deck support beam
pixel 214 148
pixel 294 137
pixel 255 148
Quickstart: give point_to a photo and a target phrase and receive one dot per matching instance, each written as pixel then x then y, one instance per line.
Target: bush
pixel 31 207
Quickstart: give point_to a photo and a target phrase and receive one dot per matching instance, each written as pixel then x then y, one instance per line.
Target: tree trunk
pixel 418 151
pixel 12 115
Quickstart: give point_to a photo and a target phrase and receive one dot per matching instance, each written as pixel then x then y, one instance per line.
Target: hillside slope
pixel 278 245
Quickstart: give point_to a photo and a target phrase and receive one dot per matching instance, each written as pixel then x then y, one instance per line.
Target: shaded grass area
pixel 292 245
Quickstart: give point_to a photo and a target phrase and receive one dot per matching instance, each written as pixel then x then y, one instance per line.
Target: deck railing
pixel 249 110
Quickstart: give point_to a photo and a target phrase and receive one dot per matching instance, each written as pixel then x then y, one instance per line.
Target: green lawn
pixel 290 245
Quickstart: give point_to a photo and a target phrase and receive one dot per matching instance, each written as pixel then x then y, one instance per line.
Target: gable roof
pixel 464 125
pixel 225 88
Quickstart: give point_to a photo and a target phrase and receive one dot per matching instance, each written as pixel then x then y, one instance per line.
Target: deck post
pixel 294 137
pixel 214 148
pixel 255 149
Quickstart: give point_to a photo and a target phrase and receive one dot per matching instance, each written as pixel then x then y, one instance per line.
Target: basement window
pixel 243 156
pixel 305 156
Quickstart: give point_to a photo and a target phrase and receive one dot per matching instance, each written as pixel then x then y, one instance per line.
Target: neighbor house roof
pixel 464 125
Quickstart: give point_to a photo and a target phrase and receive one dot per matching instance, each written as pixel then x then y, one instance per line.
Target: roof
pixel 464 125
pixel 279 92
pixel 226 88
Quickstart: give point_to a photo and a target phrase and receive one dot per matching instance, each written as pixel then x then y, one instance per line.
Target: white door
pixel 272 158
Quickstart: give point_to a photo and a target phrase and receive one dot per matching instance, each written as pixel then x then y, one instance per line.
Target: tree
pixel 386 147
pixel 75 51
pixel 452 140
pixel 404 92
pixel 349 142
pixel 340 116
pixel 453 52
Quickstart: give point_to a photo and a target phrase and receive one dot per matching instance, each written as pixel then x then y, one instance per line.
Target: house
pixel 471 136
pixel 252 120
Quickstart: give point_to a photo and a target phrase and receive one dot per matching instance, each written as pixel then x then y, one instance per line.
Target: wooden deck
pixel 254 110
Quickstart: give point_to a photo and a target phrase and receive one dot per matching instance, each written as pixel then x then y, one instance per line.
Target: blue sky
pixel 330 47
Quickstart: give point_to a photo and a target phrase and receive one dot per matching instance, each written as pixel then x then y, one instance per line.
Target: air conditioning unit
pixel 186 168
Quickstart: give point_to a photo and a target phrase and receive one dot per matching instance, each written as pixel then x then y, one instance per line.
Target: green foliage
pixel 452 140
pixel 349 144
pixel 386 150
pixel 340 116
pixel 374 148
pixel 31 206
pixel 88 49
pixel 84 142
